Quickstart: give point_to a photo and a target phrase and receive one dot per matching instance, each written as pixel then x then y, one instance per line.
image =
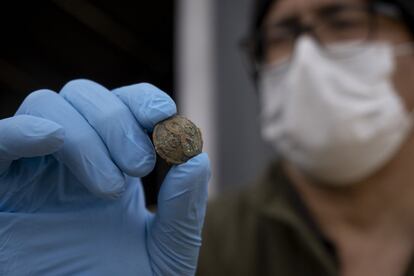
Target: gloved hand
pixel 71 202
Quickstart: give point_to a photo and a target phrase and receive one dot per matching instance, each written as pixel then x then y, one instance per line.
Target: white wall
pixel 195 81
pixel 215 91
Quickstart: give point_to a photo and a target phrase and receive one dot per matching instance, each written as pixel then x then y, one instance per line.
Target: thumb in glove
pixel 174 233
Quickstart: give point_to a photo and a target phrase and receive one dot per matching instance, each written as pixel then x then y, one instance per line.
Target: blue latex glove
pixel 71 202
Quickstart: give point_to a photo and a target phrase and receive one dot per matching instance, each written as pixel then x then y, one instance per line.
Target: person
pixel 335 84
pixel 71 201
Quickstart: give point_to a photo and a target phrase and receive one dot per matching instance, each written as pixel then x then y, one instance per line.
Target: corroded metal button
pixel 177 139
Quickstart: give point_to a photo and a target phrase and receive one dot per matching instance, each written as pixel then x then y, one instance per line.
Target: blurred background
pixel 188 48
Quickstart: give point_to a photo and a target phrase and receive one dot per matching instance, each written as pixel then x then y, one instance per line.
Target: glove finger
pixel 129 146
pixel 27 136
pixel 175 232
pixel 149 104
pixel 83 152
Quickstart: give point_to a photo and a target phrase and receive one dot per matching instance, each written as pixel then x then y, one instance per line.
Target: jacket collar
pixel 276 199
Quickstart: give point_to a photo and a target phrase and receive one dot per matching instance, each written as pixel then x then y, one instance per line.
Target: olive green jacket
pixel 265 230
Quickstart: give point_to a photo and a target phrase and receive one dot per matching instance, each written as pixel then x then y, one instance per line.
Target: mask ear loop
pixel 403 49
pixel 399 50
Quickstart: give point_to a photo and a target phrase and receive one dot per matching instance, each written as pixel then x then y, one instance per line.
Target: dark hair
pixel 261 7
pixel 406 7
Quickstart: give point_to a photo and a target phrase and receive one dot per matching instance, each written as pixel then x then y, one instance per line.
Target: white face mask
pixel 339 120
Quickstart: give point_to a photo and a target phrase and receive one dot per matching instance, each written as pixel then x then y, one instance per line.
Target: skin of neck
pixel 385 200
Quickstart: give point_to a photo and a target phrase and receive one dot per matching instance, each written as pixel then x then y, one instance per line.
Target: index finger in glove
pixel 148 103
pixel 129 146
pixel 83 152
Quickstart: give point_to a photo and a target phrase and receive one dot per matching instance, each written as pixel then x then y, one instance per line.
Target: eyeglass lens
pixel 332 25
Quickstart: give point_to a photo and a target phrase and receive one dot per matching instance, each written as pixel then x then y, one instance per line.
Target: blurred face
pixel 336 86
pixel 332 22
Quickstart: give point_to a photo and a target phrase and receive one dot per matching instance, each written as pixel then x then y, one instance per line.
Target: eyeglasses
pixel 331 25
